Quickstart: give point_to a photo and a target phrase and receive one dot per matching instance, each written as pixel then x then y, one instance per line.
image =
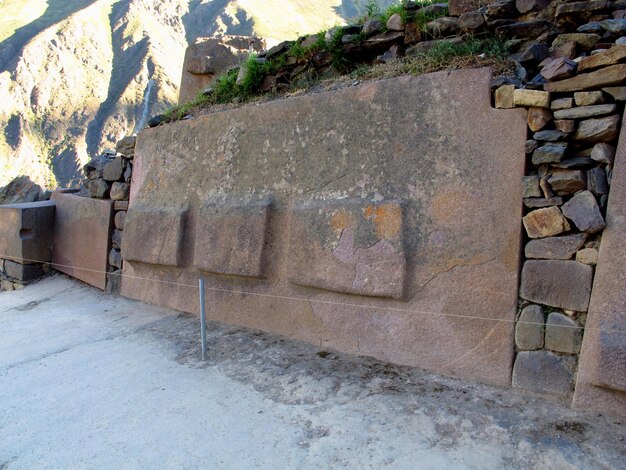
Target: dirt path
pixel 92 381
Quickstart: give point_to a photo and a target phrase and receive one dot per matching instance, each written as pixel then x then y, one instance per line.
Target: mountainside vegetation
pixel 78 75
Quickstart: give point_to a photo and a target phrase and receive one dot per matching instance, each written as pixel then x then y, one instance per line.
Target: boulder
pixel 549 136
pixel 530 187
pixel 458 7
pixel 584 40
pixel 471 21
pixel 443 27
pixel 120 217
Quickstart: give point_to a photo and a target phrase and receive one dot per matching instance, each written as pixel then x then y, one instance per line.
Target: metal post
pixel 202 319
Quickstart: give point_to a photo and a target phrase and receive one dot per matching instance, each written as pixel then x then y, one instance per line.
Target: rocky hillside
pixel 77 75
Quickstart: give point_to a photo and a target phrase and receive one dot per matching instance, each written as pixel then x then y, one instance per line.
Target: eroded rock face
pixel 365 247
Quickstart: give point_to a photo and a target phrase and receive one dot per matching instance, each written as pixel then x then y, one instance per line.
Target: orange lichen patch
pixel 449 206
pixel 342 220
pixel 387 219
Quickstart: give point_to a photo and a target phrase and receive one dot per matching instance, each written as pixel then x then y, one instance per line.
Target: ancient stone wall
pixel 353 219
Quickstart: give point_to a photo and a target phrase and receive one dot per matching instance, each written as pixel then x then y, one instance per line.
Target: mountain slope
pixel 77 75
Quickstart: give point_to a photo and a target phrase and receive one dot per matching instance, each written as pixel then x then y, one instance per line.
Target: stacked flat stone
pixel 575 109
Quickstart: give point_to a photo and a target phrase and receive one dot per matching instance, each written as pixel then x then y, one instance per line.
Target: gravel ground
pixel 93 381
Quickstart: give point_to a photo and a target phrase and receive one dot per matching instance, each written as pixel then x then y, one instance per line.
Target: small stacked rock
pixel 575 106
pixel 108 176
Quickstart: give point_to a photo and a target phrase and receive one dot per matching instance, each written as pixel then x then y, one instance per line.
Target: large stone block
pixel 544 372
pixel 208 57
pixel 352 247
pixel 601 379
pixel 26 232
pixel 82 233
pixel 231 238
pixel 561 284
pixel 22 272
pixel 154 235
pixel 381 142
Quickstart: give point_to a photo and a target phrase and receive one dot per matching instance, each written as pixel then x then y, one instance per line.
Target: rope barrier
pixel 314 300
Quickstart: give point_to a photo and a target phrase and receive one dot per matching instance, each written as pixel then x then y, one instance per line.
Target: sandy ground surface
pixel 93 381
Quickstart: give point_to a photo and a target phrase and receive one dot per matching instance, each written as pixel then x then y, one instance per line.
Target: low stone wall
pixel 353 219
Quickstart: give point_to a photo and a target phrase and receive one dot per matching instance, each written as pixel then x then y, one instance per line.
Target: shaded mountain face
pixel 78 75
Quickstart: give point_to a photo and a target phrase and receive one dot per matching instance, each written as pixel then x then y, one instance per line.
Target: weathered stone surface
pixel 115 258
pixel 561 284
pixel 126 146
pixel 601 381
pixel 120 205
pixel 116 238
pixel 565 125
pixel 597 182
pixel 574 8
pixel 567 49
pixel 582 112
pixel 545 222
pixel 120 191
pixel 588 98
pixel 538 118
pixel 575 163
pixel 562 103
pixel 603 153
pixel 549 136
pixel 549 153
pixel 114 170
pixel 23 272
pixel 524 6
pixel 587 256
pixel 534 54
pixel 231 238
pixel 530 187
pixel 617 92
pixel 598 130
pixel 471 21
pixel 26 231
pixel 565 182
pixel 114 282
pixel 394 23
pixel 163 226
pixel 531 146
pixel 615 25
pixel 583 210
pixel 544 372
pixel 371 27
pixel 613 75
pixel 206 58
pixel 82 231
pixel 458 7
pixel 21 190
pixel 535 98
pixel 563 334
pixel 584 40
pixel 449 261
pixel 98 188
pixel 120 217
pixel 555 247
pixel 504 97
pixel 524 29
pixel 538 203
pixel 610 57
pixel 558 69
pixel 361 251
pixel 529 328
pixel 443 27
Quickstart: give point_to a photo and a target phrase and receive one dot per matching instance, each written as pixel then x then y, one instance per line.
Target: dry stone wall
pixel 573 128
pixel 109 177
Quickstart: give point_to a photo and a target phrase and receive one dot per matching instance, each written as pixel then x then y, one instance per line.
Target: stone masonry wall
pixel 573 126
pixel 109 177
